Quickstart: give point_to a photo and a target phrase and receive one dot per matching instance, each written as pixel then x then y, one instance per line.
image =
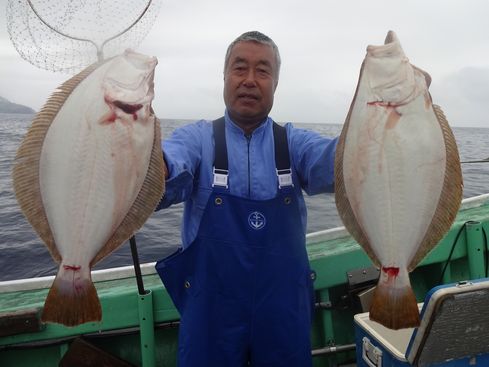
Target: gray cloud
pixel 464 96
pixel 322 43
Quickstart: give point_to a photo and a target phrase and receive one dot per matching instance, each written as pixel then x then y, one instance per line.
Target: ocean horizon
pixel 23 255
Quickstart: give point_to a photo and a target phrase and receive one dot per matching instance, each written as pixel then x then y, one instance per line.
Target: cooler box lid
pixel 454 323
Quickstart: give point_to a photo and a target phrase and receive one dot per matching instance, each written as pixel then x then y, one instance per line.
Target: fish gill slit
pixel 130 109
pixel 387 105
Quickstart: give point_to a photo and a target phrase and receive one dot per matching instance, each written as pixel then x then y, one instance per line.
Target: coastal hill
pixel 8 107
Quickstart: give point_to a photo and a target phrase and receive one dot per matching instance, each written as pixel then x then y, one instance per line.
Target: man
pixel 242 281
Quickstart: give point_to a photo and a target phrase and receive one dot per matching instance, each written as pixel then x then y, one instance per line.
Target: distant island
pixel 8 107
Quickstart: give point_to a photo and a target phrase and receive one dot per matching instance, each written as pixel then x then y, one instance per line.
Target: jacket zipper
pixel 248 140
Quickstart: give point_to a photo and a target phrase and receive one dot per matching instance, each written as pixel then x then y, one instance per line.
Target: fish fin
pixel 450 197
pixel 394 307
pixel 25 171
pixel 72 300
pixel 148 198
pixel 26 184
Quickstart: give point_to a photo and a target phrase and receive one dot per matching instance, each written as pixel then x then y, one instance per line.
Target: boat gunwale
pixel 124 272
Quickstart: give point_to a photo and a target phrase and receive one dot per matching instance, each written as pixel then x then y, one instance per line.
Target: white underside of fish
pixel 91 171
pixel 393 174
pixel 398 179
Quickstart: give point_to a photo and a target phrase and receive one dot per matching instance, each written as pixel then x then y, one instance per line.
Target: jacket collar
pixel 232 126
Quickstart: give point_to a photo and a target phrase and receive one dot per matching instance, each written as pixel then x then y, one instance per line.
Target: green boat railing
pixel 142 329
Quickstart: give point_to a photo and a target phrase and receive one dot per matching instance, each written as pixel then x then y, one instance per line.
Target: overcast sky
pixel 322 44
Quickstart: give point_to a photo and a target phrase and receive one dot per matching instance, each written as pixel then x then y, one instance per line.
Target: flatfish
pixel 89 173
pixel 398 176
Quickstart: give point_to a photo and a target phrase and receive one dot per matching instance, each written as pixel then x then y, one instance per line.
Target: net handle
pixel 100 55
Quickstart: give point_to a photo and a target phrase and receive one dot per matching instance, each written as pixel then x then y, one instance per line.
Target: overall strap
pixel 220 149
pixel 282 159
pixel 221 167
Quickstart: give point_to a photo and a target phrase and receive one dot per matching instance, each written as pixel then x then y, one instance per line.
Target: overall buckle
pixel 284 177
pixel 220 177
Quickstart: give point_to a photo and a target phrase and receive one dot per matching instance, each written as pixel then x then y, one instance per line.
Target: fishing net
pixel 68 35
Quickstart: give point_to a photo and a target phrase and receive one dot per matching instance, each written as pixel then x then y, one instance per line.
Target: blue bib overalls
pixel 243 287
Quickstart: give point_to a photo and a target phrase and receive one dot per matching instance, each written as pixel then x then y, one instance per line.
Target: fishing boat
pixel 140 323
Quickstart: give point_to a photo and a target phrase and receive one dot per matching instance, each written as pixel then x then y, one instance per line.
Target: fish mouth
pixel 131 79
pixel 140 89
pixel 390 48
pixel 140 61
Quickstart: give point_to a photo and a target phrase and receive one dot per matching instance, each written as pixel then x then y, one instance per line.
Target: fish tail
pixel 395 305
pixel 72 299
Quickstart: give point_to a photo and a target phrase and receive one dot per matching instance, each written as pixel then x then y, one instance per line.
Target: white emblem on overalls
pixel 256 220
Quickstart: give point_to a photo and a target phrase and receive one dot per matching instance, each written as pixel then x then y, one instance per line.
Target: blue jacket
pixel 189 155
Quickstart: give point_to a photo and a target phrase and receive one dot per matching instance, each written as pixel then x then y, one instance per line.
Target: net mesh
pixel 68 35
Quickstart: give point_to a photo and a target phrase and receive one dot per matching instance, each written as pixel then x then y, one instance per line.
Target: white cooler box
pixel 454 331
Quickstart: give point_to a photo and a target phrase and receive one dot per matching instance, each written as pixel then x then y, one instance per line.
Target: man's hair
pixel 254 36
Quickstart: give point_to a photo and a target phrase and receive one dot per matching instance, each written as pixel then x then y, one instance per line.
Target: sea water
pixel 23 255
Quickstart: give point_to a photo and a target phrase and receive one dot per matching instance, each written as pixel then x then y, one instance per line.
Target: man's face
pixel 250 80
